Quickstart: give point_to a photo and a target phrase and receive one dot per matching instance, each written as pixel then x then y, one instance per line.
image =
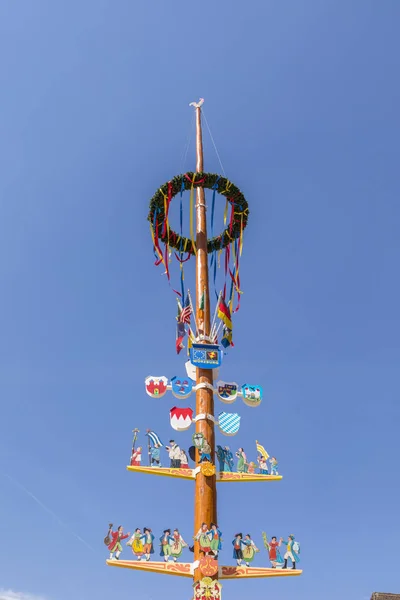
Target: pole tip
pixel 198 104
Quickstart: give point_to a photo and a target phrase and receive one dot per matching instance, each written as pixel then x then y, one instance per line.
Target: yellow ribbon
pixel 154 244
pixel 241 236
pixel 191 214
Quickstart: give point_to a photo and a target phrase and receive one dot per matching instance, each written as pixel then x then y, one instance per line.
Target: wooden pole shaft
pixel 205 510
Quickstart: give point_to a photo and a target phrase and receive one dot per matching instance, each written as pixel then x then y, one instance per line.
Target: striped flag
pixel 186 312
pixel 262 450
pixel 154 438
pixel 225 314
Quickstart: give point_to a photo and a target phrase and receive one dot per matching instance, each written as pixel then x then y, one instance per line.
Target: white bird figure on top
pixel 198 104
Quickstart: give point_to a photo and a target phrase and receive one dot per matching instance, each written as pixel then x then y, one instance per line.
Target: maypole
pixel 205 499
pixel 205 357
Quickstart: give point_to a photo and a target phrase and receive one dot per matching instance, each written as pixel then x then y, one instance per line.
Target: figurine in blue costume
pixel 215 539
pixel 205 452
pixel 292 551
pixel 225 459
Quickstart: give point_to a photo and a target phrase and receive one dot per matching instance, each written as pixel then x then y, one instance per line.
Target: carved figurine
pixel 137 544
pixel 148 539
pixel 242 461
pixel 249 549
pixel 252 468
pixel 136 458
pixel 274 464
pixel 155 456
pixel 205 452
pixel 237 548
pixel 292 551
pixel 177 544
pixel 215 536
pixel 263 466
pixel 114 545
pixel 204 540
pixel 273 551
pixel 174 453
pixel 165 547
pixel 184 460
pixel 225 459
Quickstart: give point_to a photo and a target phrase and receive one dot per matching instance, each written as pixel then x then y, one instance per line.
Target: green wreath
pixel 159 205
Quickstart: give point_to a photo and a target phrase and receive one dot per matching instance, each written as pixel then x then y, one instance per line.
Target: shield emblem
pixel 181 387
pixel 208 566
pixel 252 394
pixel 227 392
pixel 156 386
pixel 229 423
pixel 180 418
pixel 205 356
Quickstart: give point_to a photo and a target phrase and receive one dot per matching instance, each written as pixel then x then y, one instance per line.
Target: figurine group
pixel 210 541
pixel 226 462
pixel 142 543
pixel 179 458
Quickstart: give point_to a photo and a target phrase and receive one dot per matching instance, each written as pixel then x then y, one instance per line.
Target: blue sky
pixel 302 100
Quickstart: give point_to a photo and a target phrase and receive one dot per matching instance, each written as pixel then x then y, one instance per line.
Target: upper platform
pixel 187 569
pixel 191 474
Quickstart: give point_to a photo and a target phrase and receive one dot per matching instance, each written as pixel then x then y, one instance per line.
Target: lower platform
pixel 191 474
pixel 187 569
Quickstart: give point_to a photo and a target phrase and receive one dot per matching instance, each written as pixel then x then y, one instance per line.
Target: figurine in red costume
pixel 115 544
pixel 136 458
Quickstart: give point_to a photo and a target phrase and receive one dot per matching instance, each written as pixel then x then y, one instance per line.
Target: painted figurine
pixel 242 461
pixel 165 550
pixel 273 551
pixel 115 544
pixel 237 548
pixel 215 536
pixel 274 464
pixel 137 544
pixel 220 452
pixel 136 458
pixel 252 468
pixel 204 540
pixel 205 452
pixel 229 462
pixel 174 453
pixel 263 465
pixel 249 550
pixel 184 460
pixel 148 539
pixel 155 456
pixel 177 543
pixel 292 551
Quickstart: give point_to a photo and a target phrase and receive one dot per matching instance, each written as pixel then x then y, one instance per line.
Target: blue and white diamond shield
pixel 229 423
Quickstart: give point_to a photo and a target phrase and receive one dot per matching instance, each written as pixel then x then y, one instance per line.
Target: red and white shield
pixel 180 418
pixel 156 386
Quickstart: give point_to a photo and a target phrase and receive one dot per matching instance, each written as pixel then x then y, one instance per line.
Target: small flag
pixel 225 314
pixel 262 450
pixel 200 312
pixel 186 312
pixel 227 338
pixel 154 438
pixel 180 335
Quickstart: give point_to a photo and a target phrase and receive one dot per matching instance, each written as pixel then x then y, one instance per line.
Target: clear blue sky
pixel 303 102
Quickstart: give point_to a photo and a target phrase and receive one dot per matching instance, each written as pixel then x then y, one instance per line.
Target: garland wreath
pixel 159 208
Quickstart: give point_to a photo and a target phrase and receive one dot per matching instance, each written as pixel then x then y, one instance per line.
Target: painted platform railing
pixel 187 569
pixel 191 474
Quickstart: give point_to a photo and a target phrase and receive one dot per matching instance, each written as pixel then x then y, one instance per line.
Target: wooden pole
pixel 205 502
